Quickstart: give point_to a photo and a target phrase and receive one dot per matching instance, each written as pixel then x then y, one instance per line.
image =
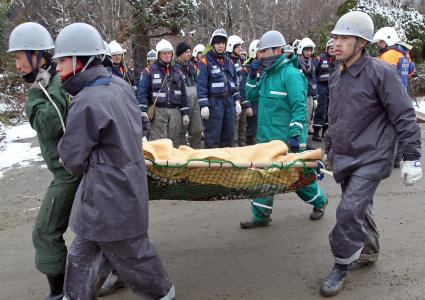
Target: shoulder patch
pixel 204 60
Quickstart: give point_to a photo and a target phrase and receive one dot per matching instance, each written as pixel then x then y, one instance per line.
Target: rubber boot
pixel 363 261
pixel 254 223
pixel 324 128
pixel 317 213
pixel 316 135
pixel 332 285
pixel 171 294
pixel 111 284
pixel 56 286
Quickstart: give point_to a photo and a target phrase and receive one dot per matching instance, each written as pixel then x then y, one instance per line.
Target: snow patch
pixel 14 152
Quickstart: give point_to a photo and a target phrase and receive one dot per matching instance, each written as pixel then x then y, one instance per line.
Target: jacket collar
pixel 280 62
pixel 358 66
pixel 79 81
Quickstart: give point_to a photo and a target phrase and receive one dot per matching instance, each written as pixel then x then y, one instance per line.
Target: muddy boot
pixel 56 286
pixel 332 285
pixel 111 284
pixel 316 135
pixel 363 261
pixel 324 128
pixel 253 223
pixel 317 213
pixel 171 294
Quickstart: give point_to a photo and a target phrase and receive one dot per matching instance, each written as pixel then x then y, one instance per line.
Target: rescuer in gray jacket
pixel 368 110
pixel 102 140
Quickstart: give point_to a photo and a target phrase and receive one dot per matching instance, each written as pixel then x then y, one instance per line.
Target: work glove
pixel 249 112
pixel 145 122
pixel 43 78
pixel 294 144
pixel 186 120
pixel 255 65
pixel 411 172
pixel 238 108
pixel 205 113
pixel 315 104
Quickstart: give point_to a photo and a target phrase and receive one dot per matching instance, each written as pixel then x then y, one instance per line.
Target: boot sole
pixel 253 225
pixel 364 260
pixel 111 290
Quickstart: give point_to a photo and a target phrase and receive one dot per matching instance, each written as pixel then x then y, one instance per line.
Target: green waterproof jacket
pixel 45 120
pixel 282 102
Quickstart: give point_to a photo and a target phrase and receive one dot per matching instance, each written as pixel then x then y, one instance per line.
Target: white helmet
pixel 253 48
pixel 30 36
pixel 296 43
pixel 164 46
pixel 115 48
pixel 233 41
pixel 107 49
pixel 305 43
pixel 288 49
pixel 198 48
pixel 218 32
pixel 151 55
pixel 388 35
pixel 329 43
pixel 355 23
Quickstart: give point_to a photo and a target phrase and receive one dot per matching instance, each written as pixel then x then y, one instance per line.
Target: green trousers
pixel 312 194
pixel 52 222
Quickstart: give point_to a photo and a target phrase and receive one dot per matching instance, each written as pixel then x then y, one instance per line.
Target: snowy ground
pixel 15 150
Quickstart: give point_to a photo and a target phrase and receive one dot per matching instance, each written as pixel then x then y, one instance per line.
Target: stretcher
pixel 227 173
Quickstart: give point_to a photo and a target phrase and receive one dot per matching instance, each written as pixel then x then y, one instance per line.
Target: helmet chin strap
pixel 74 63
pixel 29 58
pixel 356 50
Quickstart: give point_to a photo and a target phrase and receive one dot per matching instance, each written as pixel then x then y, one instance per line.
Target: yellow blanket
pixel 271 151
pixel 230 177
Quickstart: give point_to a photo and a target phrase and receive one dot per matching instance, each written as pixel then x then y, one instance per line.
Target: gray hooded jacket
pixel 103 140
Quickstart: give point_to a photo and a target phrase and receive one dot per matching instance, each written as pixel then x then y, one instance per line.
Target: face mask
pixel 30 77
pixel 268 61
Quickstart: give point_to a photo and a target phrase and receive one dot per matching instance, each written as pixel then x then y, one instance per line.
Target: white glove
pixel 205 113
pixel 238 108
pixel 315 103
pixel 411 172
pixel 186 120
pixel 42 77
pixel 145 115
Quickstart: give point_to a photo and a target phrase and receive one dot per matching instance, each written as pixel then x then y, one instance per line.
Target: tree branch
pixel 152 36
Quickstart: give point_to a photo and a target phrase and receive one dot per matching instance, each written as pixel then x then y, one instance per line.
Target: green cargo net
pixel 199 179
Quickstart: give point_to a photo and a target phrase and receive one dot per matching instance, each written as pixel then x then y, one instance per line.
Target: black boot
pixel 56 286
pixel 253 223
pixel 332 285
pixel 324 128
pixel 111 284
pixel 317 213
pixel 316 135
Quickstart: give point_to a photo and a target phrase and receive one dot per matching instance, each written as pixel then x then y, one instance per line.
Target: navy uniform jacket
pixel 241 72
pixel 324 66
pixel 216 78
pixel 164 84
